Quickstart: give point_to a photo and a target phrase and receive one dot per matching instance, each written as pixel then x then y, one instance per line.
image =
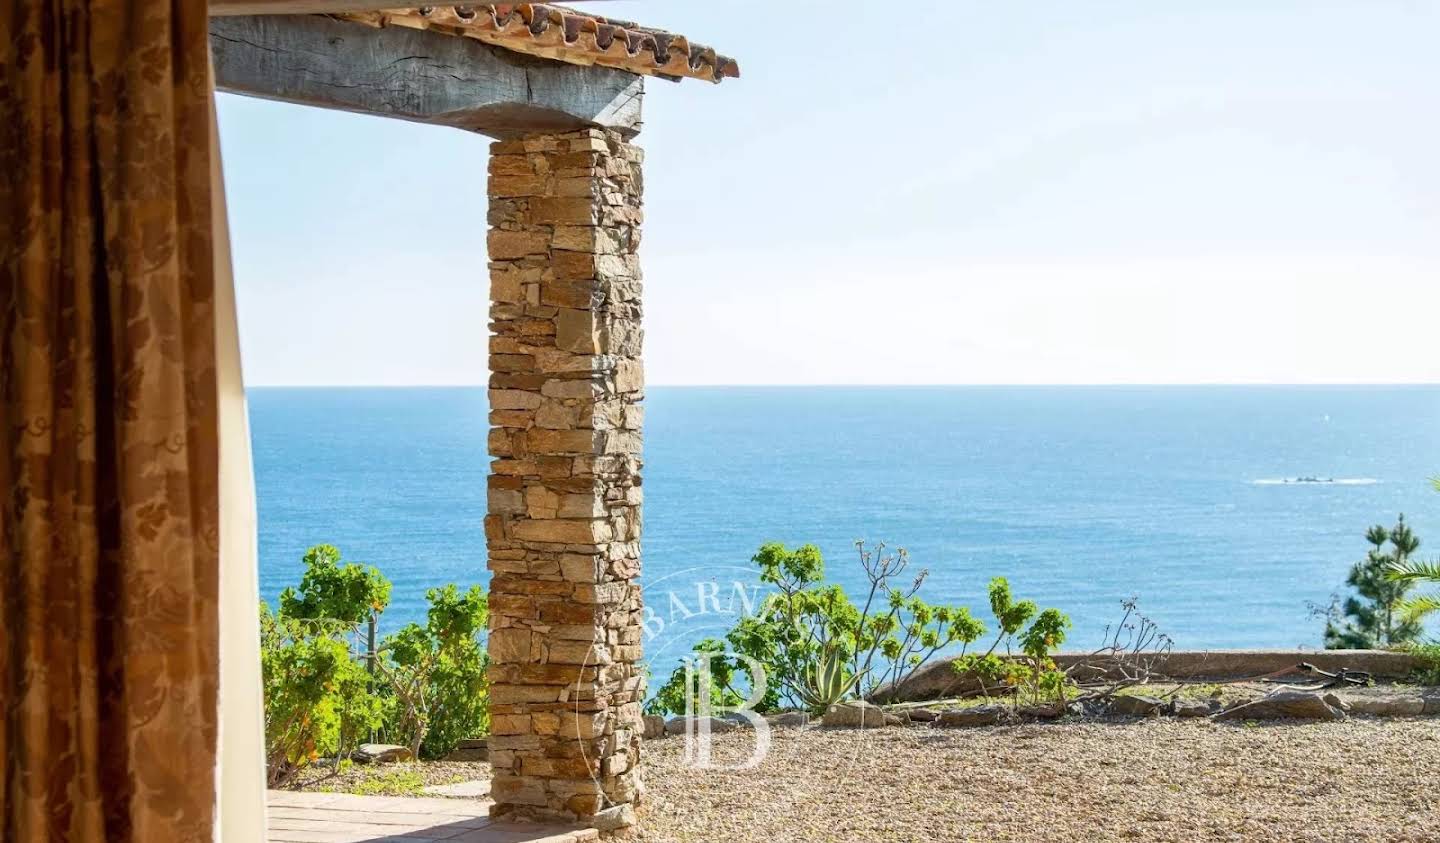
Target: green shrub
pixel 317 702
pixel 344 593
pixel 325 692
pixel 436 673
pixel 671 697
pixel 1031 673
pixel 1428 671
pixel 817 645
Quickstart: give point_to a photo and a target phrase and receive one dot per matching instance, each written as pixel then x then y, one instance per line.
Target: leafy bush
pixel 671 697
pixel 1375 615
pixel 424 686
pixel 319 700
pixel 316 696
pixel 437 673
pixel 1030 673
pixel 815 644
pixel 347 594
pixel 1428 672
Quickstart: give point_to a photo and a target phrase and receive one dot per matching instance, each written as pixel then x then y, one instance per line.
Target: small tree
pixel 1374 616
pixel 319 701
pixel 672 696
pixel 437 673
pixel 347 593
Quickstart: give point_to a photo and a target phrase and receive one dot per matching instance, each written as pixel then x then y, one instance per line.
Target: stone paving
pixel 307 817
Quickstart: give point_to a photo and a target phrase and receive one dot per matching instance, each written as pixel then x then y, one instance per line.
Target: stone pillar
pixel 563 528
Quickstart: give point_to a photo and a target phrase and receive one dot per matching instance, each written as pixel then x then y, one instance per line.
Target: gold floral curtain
pixel 108 423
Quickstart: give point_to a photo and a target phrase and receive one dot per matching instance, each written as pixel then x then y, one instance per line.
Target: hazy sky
pixel 964 192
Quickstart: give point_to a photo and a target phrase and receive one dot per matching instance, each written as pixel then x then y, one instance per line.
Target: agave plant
pixel 826 682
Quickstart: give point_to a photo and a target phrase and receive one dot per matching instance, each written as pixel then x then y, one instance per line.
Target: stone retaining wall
pixel 939 680
pixel 1239 664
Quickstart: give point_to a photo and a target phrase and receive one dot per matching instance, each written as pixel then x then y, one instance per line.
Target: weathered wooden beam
pixel 419 75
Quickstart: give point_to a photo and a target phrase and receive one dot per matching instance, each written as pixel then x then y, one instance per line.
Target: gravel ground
pixel 402 779
pixel 1161 780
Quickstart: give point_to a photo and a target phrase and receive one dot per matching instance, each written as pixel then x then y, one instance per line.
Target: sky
pixel 962 192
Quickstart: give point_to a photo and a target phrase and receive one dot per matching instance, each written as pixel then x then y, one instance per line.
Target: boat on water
pixel 1309 480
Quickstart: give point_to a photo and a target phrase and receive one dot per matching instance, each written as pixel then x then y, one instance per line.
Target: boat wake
pixel 1315 481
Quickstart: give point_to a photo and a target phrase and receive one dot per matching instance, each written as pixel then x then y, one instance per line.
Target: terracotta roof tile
pixel 568 35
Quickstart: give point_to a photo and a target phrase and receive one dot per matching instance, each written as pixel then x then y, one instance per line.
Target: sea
pixel 1182 497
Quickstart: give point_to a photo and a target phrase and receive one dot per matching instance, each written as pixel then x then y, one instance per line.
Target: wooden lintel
pixel 419 75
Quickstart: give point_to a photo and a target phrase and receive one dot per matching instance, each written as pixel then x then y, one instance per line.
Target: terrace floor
pixel 309 817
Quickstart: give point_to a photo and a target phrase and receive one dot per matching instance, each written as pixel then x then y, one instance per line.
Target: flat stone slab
pixel 1136 706
pixel 381 753
pixel 1390 705
pixel 470 750
pixel 1286 705
pixel 858 714
pixel 980 715
pixel 1191 708
pixel 679 725
pixel 309 817
pixel 788 720
pixel 477 789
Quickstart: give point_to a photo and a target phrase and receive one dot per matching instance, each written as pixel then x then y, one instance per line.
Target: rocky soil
pixel 401 779
pixel 1159 779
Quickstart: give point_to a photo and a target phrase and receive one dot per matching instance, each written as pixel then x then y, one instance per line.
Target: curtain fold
pixel 242 706
pixel 109 429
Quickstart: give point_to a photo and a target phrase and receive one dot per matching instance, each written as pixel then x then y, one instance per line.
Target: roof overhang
pixel 417 75
pixel 537 29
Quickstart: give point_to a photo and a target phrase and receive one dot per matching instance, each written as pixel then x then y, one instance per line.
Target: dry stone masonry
pixel 563 529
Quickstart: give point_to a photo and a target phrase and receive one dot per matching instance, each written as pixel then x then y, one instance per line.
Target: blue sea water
pixel 1082 496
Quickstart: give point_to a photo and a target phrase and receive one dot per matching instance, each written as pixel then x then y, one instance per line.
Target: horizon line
pixel 872 385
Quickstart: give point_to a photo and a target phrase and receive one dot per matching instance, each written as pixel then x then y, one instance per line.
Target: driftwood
pixel 1340 678
pixel 1344 676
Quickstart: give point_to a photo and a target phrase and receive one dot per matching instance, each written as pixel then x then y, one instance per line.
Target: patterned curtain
pixel 108 423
